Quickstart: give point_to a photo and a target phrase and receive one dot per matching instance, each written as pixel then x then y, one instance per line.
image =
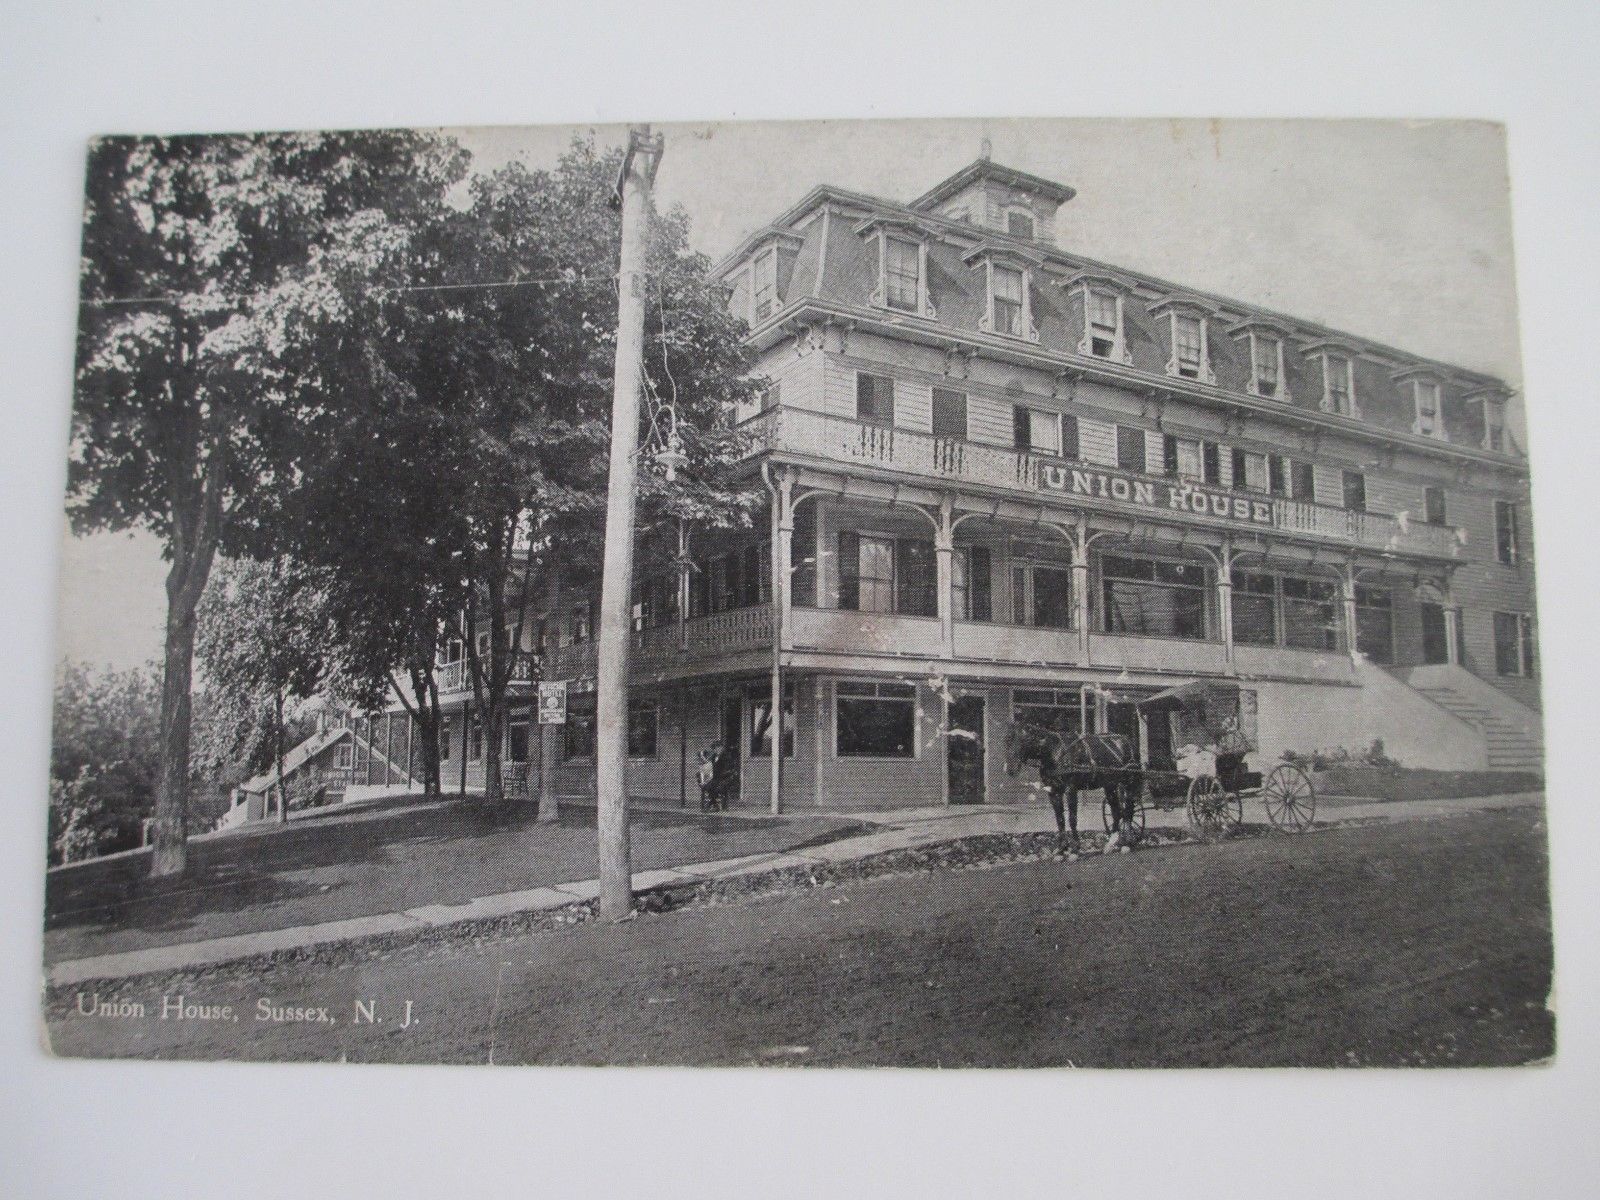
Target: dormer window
pixel 1429 422
pixel 1009 304
pixel 902 265
pixel 1020 224
pixel 1104 324
pixel 1494 421
pixel 1427 403
pixel 1007 299
pixel 764 299
pixel 902 275
pixel 1337 389
pixel 1191 354
pixel 1268 375
pixel 1266 364
pixel 1338 378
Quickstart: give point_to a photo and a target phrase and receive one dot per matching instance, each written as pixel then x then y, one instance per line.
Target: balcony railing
pixel 663 646
pixel 457 677
pixel 928 457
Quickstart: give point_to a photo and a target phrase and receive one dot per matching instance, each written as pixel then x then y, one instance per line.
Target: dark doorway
pixel 965 752
pixel 1435 646
pixel 732 742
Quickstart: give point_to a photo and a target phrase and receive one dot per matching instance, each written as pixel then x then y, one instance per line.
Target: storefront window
pixel 875 720
pixel 1310 614
pixel 1255 609
pixel 1061 711
pixel 1153 597
pixel 577 737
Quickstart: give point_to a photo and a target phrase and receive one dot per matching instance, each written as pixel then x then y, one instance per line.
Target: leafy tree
pixel 218 276
pixel 505 358
pixel 465 471
pixel 104 760
pixel 263 637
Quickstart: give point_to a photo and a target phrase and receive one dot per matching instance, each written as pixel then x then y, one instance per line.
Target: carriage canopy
pixel 1210 712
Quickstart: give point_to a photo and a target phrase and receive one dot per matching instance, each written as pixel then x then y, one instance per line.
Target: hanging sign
pixel 1181 496
pixel 553 703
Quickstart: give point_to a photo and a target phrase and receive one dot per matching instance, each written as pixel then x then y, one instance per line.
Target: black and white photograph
pixel 865 599
pixel 621 563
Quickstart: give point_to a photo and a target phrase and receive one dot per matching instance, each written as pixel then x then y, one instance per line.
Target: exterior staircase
pixel 1512 734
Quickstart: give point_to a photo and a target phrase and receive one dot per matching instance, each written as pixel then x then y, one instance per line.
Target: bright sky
pixel 1398 231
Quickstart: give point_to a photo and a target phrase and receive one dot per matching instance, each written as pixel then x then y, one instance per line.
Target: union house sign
pixel 1178 496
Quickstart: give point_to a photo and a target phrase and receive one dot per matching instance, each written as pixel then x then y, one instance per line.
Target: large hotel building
pixel 1006 479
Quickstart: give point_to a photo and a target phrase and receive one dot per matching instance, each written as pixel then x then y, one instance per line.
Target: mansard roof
pixel 832 265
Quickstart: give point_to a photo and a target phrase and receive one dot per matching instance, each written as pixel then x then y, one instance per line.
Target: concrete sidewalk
pixel 899 830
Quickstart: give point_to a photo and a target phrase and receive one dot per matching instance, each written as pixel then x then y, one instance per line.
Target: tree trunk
pixel 428 721
pixel 170 826
pixel 493 790
pixel 277 755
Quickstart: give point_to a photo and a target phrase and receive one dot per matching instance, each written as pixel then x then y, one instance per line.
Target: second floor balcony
pixel 932 460
pixel 457 676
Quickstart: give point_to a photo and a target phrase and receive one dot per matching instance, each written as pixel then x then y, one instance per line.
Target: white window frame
pixel 1417 380
pixel 1173 311
pixel 1085 284
pixel 768 254
pixel 1257 334
pixel 916 720
pixel 1049 414
pixel 1021 210
pixel 883 232
pixel 1494 416
pixel 1029 332
pixel 1327 352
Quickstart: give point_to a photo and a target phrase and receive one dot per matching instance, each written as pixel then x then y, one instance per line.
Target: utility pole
pixel 638 172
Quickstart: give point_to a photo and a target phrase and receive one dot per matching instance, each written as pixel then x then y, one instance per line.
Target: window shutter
pixel 874 399
pixel 1241 472
pixel 1355 491
pixel 949 413
pixel 1021 437
pixel 1276 466
pixel 1130 449
pixel 1303 481
pixel 1210 463
pixel 1169 455
pixel 980 591
pixel 849 570
pixel 1069 436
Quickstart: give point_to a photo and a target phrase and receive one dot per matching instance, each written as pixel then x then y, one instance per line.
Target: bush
pixel 1341 756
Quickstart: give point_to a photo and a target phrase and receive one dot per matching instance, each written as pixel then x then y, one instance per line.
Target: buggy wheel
pixel 1212 809
pixel 1290 798
pixel 1140 803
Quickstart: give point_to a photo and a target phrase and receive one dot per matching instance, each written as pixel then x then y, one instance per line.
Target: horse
pixel 1070 764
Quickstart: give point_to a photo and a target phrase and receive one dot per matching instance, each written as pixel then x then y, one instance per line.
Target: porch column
pixel 1347 586
pixel 466 737
pixel 782 552
pixel 1080 588
pixel 1225 599
pixel 944 553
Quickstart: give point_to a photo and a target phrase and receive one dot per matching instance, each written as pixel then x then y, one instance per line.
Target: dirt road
pixel 1423 943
